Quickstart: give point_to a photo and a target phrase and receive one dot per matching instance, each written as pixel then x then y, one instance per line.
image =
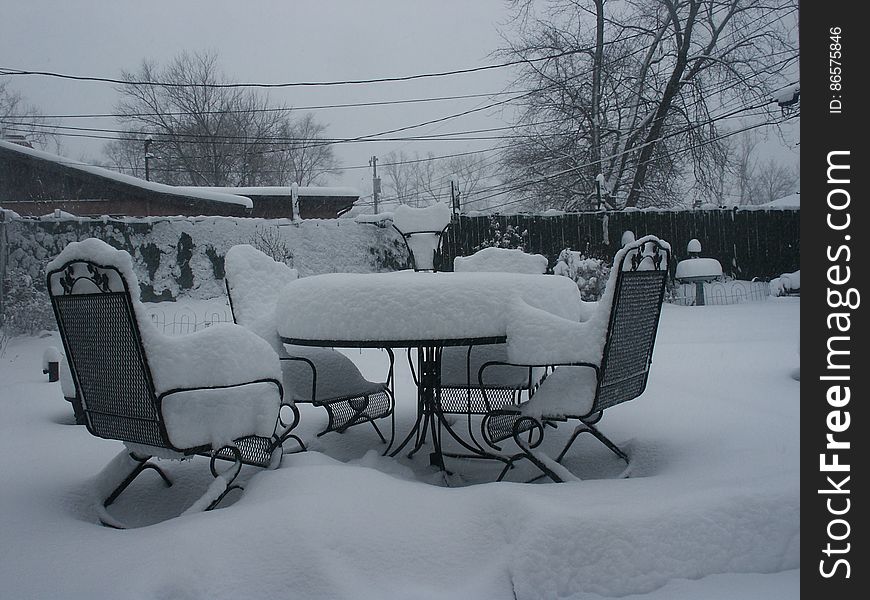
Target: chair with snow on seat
pixel 216 392
pixel 319 376
pixel 597 364
pixel 422 230
pixel 460 390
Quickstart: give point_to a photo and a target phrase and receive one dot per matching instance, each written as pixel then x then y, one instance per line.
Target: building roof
pixel 279 190
pixel 151 186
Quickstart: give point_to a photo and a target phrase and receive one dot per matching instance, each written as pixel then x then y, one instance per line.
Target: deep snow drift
pixel 711 509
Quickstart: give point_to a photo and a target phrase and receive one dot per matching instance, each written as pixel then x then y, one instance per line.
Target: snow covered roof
pixel 275 190
pixel 792 200
pixel 198 193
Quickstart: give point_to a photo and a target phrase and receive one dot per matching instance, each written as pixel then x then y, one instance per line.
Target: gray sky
pixel 272 41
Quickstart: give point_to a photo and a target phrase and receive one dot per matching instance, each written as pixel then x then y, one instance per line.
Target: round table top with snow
pixel 414 309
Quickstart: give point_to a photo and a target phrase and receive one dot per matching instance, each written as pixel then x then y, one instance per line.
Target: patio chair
pixel 461 393
pixel 421 230
pixel 321 377
pixel 596 364
pixel 216 392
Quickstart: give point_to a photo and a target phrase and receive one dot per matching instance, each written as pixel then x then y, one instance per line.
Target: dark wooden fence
pixel 750 243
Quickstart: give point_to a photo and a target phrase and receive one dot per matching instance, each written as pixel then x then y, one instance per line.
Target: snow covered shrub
pixel 509 238
pixel 268 241
pixel 184 273
pixel 590 274
pixel 392 255
pixel 217 262
pixel 26 307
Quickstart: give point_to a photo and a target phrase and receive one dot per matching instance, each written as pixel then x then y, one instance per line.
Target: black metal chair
pixel 582 390
pixel 148 391
pixel 461 393
pixel 321 377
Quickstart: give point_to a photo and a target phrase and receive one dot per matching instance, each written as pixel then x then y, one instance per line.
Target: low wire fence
pixel 186 320
pixel 721 292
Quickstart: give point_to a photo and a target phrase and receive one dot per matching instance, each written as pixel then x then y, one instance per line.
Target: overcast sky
pixel 272 41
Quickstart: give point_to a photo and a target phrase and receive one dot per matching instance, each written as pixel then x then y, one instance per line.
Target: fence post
pixel 3 257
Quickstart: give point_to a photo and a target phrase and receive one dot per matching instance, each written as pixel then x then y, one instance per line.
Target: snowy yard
pixel 711 510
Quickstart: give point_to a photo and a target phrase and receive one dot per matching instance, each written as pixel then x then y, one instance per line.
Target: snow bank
pixel 785 283
pixel 711 511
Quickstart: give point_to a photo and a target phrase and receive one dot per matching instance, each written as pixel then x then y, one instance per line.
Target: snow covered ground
pixel 711 510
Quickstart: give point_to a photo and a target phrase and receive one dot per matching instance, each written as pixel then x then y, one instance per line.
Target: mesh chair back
pixel 634 318
pixel 97 323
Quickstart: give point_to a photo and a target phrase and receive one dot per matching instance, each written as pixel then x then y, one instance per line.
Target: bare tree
pixel 421 180
pixel 773 180
pixel 637 92
pixel 18 117
pixel 207 133
pixel 400 172
pixel 307 158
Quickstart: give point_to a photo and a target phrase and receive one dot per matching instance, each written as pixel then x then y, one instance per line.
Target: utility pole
pixel 148 157
pixel 455 194
pixel 376 181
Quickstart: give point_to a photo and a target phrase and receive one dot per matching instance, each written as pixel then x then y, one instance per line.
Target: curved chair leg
pixel 591 429
pixel 222 484
pixel 285 433
pixel 126 466
pixel 140 464
pixel 378 431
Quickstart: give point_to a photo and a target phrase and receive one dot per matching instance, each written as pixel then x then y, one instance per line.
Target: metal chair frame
pixel 614 385
pixel 436 259
pixel 115 387
pixel 351 409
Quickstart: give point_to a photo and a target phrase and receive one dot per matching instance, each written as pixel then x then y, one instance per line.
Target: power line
pixel 675 152
pixel 269 109
pixel 14 71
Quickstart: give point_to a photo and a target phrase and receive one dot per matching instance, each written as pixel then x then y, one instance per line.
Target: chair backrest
pixel 422 230
pixel 97 323
pixel 501 260
pixel 637 303
pixel 254 282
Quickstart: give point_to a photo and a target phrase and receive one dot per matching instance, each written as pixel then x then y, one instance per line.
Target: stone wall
pixel 183 256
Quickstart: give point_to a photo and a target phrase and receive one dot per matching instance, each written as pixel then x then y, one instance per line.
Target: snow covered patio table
pixel 427 311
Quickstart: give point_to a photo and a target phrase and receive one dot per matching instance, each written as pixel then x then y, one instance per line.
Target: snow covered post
pixel 51 363
pixel 599 181
pixel 294 199
pixel 697 270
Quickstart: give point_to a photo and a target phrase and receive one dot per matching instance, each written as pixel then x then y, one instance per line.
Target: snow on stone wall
pixel 183 256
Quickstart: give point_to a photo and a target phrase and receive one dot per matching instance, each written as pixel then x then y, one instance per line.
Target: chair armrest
pixel 313 368
pixel 215 416
pixel 536 406
pixel 535 336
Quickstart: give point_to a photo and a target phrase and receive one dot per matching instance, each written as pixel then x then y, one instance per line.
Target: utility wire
pixel 14 71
